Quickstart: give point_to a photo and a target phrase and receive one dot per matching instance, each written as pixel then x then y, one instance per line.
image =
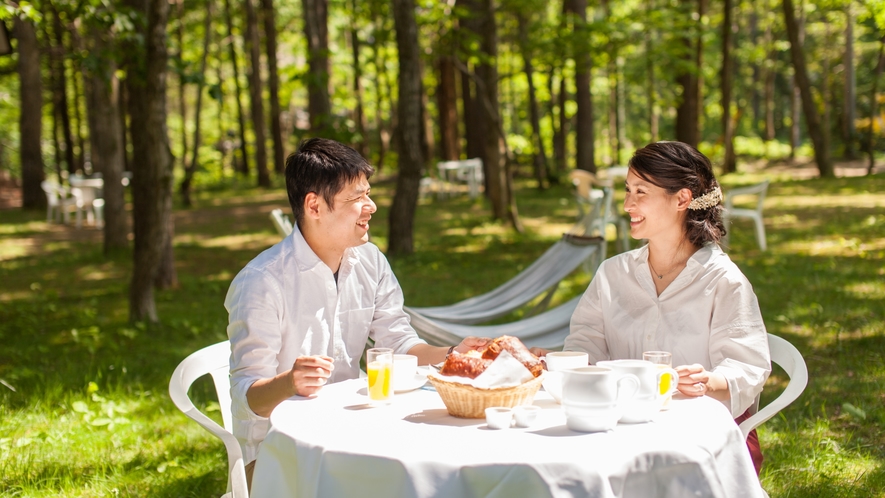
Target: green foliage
pixel 83 403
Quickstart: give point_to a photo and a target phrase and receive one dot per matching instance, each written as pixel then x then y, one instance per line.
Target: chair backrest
pixel 759 189
pixel 212 360
pixel 790 359
pixel 281 222
pixel 52 192
pixel 583 181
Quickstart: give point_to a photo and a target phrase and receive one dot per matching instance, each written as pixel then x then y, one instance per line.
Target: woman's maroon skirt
pixel 752 443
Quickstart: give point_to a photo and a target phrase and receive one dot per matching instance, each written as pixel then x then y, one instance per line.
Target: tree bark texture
pixel 585 146
pixel 152 158
pixel 540 156
pixel 253 46
pixel 316 29
pixel 402 211
pixel 106 132
pixel 59 88
pixel 849 131
pixel 191 166
pixel 688 112
pixel 273 85
pixel 447 105
pixel 243 166
pixel 726 77
pixel 30 119
pixel 812 118
pixel 182 82
pixel 874 106
pixel 359 116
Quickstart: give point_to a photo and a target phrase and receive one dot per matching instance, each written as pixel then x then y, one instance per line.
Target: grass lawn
pixel 84 409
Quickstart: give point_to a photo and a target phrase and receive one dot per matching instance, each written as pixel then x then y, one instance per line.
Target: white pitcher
pixel 593 397
pixel 649 400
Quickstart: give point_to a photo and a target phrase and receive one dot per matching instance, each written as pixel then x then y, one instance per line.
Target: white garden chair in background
pixel 59 203
pixel 281 222
pixel 760 190
pixel 586 196
pixel 212 360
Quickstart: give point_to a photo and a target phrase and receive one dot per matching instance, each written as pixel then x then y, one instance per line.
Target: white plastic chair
pixel 58 204
pixel 585 194
pixel 281 222
pixel 730 212
pixel 790 359
pixel 213 360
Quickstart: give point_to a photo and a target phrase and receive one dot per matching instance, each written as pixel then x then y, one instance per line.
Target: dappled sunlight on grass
pixel 839 246
pixel 250 241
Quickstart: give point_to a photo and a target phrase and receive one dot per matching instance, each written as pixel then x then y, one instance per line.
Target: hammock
pixel 547 330
pixel 544 274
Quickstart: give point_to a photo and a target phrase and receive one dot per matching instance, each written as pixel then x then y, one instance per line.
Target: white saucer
pixel 418 381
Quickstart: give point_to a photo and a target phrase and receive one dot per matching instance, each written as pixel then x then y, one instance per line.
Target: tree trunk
pixel 359 117
pixel 849 131
pixel 59 88
pixel 428 142
pixel 688 112
pixel 770 73
pixel 473 131
pixel 191 167
pixel 540 156
pixel 818 136
pixel 874 106
pixel 726 80
pixel 447 104
pixel 182 82
pixel 402 211
pixel 273 85
pixel 253 46
pixel 30 119
pixel 106 132
pixel 584 135
pixel 316 13
pixel 241 115
pixel 651 82
pixel 152 159
pixel 382 84
pixel 565 123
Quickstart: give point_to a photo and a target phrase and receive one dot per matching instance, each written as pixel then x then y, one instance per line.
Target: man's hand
pixel 310 373
pixel 539 352
pixel 472 343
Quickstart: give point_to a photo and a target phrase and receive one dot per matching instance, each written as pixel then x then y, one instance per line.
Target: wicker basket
pixel 470 402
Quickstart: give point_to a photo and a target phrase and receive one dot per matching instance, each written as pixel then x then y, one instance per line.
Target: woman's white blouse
pixel 708 315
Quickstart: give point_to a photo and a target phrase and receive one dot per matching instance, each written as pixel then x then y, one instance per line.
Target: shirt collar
pixel 308 260
pixel 693 267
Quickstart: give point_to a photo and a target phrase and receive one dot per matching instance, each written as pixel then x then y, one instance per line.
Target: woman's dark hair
pixel 674 166
pixel 324 167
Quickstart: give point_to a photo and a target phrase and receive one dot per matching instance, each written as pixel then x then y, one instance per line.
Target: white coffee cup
pixel 525 415
pixel 592 397
pixel 498 417
pixel 561 360
pixel 648 400
pixel 405 368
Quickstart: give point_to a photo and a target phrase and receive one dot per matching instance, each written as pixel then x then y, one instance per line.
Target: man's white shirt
pixel 285 303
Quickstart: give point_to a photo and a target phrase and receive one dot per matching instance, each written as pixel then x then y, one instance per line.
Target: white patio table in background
pixel 335 445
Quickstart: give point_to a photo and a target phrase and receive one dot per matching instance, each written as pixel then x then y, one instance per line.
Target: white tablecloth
pixel 335 446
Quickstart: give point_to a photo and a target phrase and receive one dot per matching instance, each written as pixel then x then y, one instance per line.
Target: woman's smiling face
pixel 653 211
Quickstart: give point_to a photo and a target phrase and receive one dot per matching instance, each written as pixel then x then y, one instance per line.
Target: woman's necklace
pixel 661 275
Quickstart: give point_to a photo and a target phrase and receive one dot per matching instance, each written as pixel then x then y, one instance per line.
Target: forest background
pixel 206 98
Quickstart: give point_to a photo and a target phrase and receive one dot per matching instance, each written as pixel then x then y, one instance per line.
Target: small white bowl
pixel 526 415
pixel 498 417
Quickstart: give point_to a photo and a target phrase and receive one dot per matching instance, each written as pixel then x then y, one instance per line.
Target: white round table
pixel 335 445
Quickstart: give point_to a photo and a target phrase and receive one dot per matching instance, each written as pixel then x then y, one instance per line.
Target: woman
pixel 680 292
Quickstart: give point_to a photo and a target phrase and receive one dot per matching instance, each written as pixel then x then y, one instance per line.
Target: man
pixel 301 312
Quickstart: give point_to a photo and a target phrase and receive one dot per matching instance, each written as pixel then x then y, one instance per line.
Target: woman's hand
pixel 695 381
pixel 539 352
pixel 472 343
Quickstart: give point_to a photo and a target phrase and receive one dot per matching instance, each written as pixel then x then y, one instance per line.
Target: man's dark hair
pixel 324 167
pixel 674 166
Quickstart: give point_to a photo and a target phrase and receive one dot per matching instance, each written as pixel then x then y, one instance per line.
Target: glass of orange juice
pixel 664 361
pixel 379 367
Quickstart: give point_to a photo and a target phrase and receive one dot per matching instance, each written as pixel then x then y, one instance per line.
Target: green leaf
pixel 854 411
pixel 80 407
pixel 101 421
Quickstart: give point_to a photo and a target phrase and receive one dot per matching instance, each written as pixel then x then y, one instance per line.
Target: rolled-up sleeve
pixel 253 302
pixel 390 324
pixel 587 326
pixel 739 342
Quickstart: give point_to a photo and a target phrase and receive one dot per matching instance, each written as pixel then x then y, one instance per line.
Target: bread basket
pixel 466 401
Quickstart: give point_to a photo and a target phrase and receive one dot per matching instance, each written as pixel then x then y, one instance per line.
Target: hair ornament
pixel 706 201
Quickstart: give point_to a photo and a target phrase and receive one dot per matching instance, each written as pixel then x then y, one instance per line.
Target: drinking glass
pixel 379 367
pixel 664 361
